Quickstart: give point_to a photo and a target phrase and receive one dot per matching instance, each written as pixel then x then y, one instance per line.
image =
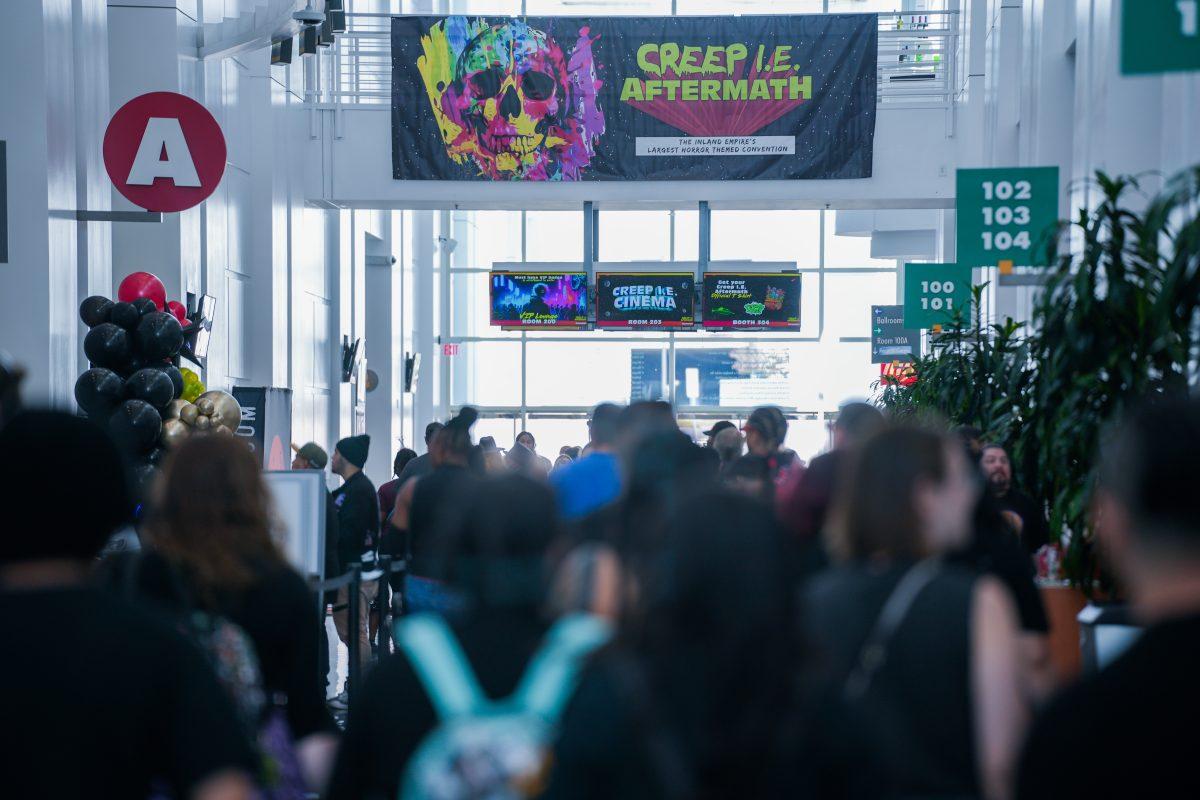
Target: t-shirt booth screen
pixel 539 299
pixel 645 300
pixel 752 300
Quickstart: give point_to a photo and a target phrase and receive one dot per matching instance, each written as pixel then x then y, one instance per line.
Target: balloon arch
pixel 135 384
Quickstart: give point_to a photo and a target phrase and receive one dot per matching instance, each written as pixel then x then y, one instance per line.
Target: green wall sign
pixel 1005 215
pixel 1160 36
pixel 933 293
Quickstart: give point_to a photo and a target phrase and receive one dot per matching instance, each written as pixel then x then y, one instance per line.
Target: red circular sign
pixel 164 151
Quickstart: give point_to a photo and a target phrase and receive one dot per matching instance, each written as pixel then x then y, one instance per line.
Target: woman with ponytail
pixel 423 510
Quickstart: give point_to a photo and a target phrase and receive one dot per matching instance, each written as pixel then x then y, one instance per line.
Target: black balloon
pixel 107 345
pixel 132 364
pixel 124 314
pixel 143 475
pixel 152 385
pixel 98 391
pixel 172 372
pixel 159 336
pixel 156 456
pixel 144 305
pixel 136 424
pixel 94 310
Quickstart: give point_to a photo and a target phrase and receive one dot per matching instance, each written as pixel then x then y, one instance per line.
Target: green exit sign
pixel 1004 217
pixel 1160 36
pixel 935 294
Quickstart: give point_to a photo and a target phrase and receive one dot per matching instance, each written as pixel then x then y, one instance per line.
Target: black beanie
pixel 46 456
pixel 355 448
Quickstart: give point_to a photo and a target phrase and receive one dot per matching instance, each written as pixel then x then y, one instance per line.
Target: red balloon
pixel 142 284
pixel 175 307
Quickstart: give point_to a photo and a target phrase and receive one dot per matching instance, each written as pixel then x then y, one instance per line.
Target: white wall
pixel 1080 112
pixel 1076 110
pixel 39 284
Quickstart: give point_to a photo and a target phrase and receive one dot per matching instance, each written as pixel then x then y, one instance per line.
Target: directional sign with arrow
pixel 890 340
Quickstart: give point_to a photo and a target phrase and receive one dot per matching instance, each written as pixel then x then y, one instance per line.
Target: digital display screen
pixel 645 300
pixel 539 299
pixel 751 300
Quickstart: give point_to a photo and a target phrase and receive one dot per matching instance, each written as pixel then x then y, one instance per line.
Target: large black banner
pixel 633 98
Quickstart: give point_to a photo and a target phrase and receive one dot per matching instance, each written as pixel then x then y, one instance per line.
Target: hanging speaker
pixel 334 5
pixel 281 51
pixel 308 41
pixel 337 20
pixel 326 37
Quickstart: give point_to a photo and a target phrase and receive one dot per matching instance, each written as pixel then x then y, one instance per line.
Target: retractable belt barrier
pixel 353 579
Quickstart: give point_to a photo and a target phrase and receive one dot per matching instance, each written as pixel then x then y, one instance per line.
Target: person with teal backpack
pixel 484 748
pixel 468 705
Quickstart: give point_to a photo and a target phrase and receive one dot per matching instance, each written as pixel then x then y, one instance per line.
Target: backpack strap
pixel 440 664
pixel 553 673
pixel 874 650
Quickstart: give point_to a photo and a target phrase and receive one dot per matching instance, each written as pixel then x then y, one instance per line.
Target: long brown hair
pixel 212 516
pixel 876 514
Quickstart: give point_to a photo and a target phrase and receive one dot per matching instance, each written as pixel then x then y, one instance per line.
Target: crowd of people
pixel 643 617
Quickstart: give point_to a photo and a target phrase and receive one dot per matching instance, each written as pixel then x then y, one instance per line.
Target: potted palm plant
pixel 1118 321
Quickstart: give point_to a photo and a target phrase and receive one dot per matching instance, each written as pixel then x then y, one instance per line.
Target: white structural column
pixel 428 403
pixel 152 49
pixel 39 284
pixel 92 111
pixel 384 356
pixel 1117 118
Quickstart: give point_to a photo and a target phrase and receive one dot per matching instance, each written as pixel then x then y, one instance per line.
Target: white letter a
pixel 163 135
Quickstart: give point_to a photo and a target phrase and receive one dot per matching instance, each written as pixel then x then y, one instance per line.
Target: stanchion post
pixel 315 580
pixel 384 602
pixel 354 620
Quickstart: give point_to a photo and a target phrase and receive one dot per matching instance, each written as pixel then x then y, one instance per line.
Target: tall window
pixel 546 381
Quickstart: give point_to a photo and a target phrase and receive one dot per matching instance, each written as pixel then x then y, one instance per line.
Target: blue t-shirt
pixel 589 484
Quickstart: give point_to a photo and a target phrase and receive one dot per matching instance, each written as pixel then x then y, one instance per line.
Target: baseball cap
pixel 769 421
pixel 718 427
pixel 313 454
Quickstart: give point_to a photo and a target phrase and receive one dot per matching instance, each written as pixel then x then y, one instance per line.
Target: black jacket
pixel 358 520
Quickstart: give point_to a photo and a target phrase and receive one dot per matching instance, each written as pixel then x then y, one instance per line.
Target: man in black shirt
pixel 1129 730
pixel 1023 515
pixel 358 535
pixel 105 700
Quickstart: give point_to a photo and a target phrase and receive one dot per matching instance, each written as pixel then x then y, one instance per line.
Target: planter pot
pixel 1063 604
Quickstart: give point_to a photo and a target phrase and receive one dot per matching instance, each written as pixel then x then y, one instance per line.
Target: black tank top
pixel 912 733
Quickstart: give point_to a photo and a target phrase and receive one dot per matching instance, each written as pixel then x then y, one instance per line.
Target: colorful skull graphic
pixel 507 98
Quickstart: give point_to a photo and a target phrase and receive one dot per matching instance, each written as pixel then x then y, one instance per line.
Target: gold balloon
pixel 226 411
pixel 203 422
pixel 206 405
pixel 174 432
pixel 174 408
pixel 189 414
